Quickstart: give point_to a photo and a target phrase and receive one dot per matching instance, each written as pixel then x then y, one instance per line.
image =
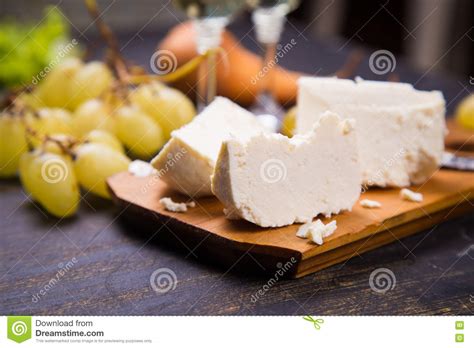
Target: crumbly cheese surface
pixel 175 207
pixel 369 204
pixel 316 231
pixel 409 195
pixel 272 180
pixel 187 161
pixel 400 130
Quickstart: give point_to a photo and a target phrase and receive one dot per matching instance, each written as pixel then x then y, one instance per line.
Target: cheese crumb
pixel 316 231
pixel 348 126
pixel 303 231
pixel 411 196
pixel 367 203
pixel 175 207
pixel 141 168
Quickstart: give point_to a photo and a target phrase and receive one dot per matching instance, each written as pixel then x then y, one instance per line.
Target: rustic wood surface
pixel 113 259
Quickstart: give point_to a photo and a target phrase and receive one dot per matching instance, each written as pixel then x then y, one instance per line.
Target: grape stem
pixel 114 59
pixel 183 70
pixel 65 148
pixel 10 99
pixel 33 134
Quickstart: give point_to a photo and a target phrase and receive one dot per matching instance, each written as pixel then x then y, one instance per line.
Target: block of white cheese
pixel 187 161
pixel 400 130
pixel 272 180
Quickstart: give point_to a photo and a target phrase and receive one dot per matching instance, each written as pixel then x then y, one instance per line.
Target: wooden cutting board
pixel 205 229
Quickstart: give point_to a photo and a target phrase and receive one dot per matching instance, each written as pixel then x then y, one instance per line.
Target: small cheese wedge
pixel 320 231
pixel 272 180
pixel 369 204
pixel 409 195
pixel 176 207
pixel 400 130
pixel 187 161
pixel 317 231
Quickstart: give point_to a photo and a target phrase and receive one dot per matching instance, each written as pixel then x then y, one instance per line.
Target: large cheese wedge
pixel 187 161
pixel 272 180
pixel 400 130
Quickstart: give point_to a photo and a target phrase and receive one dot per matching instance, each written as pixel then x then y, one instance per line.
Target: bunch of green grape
pixel 79 126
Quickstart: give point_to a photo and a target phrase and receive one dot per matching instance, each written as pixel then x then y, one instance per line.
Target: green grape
pixel 54 89
pixel 51 181
pixel 140 134
pixel 55 120
pixel 12 144
pixel 94 163
pixel 49 121
pixel 170 108
pixel 465 112
pixel 93 114
pixel 89 82
pixel 25 160
pixel 105 138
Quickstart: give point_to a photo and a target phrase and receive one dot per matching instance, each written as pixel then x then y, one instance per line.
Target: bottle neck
pixel 208 32
pixel 269 23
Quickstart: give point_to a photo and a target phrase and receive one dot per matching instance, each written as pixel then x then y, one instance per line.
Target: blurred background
pixel 429 34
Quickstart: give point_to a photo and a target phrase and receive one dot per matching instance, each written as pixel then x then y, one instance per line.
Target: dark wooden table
pixel 112 259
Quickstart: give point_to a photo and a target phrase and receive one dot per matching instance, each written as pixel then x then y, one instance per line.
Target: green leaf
pixel 26 49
